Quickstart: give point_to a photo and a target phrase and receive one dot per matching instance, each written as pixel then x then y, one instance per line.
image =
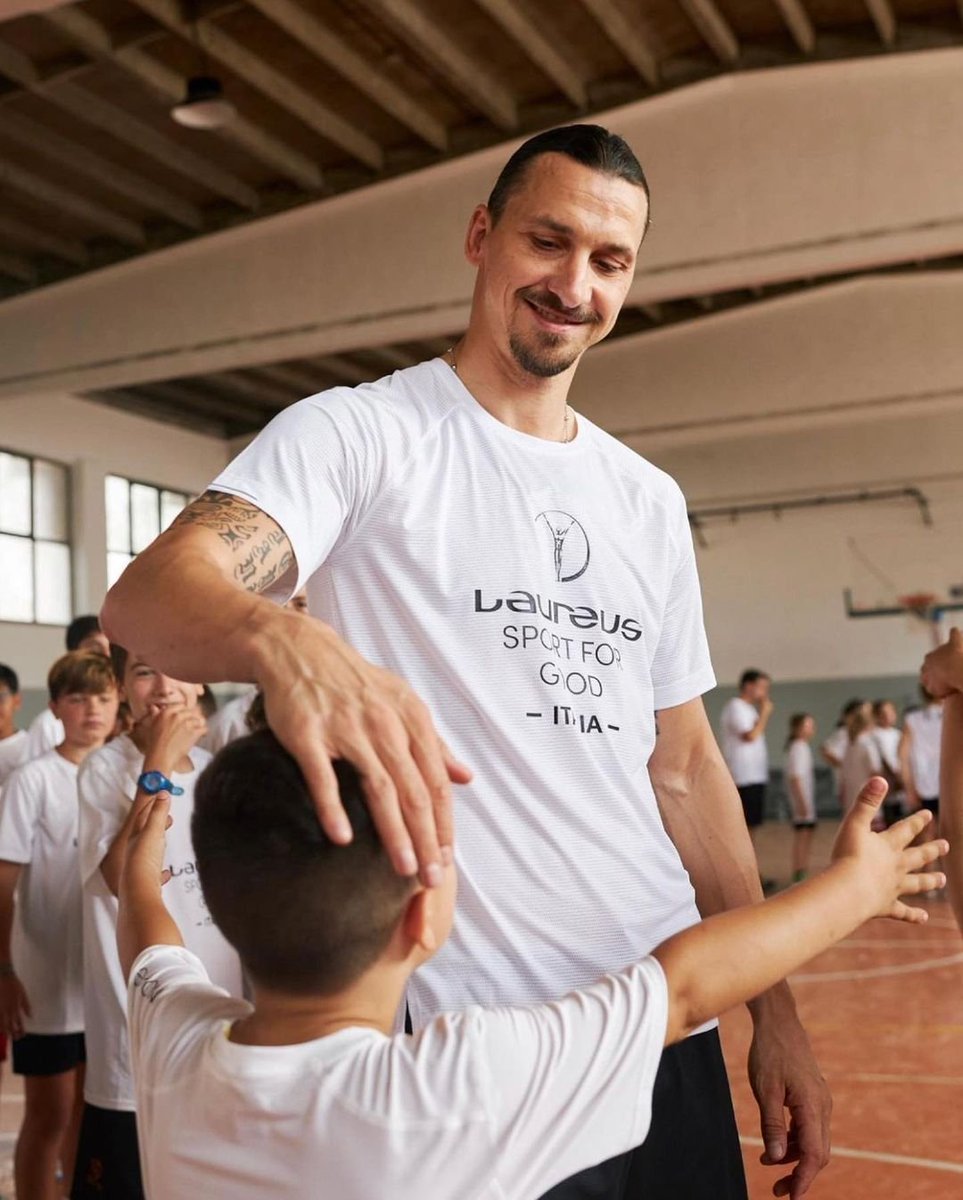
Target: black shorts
pixel 692 1150
pixel 108 1161
pixel 931 805
pixel 753 797
pixel 48 1053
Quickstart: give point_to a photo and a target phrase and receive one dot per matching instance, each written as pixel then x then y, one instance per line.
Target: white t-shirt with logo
pixel 45 732
pixel 482 1105
pixel 108 784
pixel 13 754
pixel 38 828
pixel 747 761
pixel 926 730
pixel 542 598
pixel 799 766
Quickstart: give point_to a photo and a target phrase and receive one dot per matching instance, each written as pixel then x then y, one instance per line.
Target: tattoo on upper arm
pixel 262 559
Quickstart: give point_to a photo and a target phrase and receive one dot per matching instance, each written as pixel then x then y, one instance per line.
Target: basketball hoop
pixel 920 604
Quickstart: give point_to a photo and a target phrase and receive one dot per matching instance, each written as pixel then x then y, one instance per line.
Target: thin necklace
pixel 569 415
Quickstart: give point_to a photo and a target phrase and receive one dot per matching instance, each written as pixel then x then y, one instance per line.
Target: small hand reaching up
pixel 888 863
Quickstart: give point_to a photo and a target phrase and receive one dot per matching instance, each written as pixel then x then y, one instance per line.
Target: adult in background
pixel 833 749
pixel 744 720
pixel 920 754
pixel 942 676
pixel 888 736
pixel 490 570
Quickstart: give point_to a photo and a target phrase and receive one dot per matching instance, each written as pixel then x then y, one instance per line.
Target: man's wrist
pixel 776 1004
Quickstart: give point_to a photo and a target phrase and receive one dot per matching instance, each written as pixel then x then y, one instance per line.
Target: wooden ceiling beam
pixel 132 400
pixel 799 23
pixel 626 37
pixel 241 383
pixel 469 78
pixel 713 28
pixel 103 219
pixel 102 171
pixel 94 39
pixel 531 38
pixel 368 77
pixel 19 267
pixel 47 243
pixel 300 380
pixel 194 394
pixel 272 83
pixel 884 18
pixel 392 358
pixel 346 372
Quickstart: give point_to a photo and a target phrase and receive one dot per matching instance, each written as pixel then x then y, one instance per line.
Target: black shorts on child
pixel 48 1053
pixel 108 1161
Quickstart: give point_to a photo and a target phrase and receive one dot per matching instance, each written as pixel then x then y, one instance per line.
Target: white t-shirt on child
pixel 542 599
pixel 926 729
pixel 482 1105
pixel 13 754
pixel 799 766
pixel 108 785
pixel 45 732
pixel 38 828
pixel 861 761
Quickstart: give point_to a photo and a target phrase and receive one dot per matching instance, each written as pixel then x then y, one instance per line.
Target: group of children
pixel 146 891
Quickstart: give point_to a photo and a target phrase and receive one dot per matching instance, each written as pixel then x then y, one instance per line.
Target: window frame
pixel 131 483
pixel 32 537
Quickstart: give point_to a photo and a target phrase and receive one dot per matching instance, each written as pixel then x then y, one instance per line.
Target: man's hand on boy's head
pixel 147 841
pixel 942 671
pixel 171 732
pixel 891 866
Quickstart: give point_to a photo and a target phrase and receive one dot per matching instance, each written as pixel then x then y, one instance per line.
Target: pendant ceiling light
pixel 205 106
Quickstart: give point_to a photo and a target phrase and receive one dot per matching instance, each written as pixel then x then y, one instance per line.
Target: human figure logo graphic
pixel 570 545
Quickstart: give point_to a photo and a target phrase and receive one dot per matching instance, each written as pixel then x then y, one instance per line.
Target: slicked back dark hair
pixel 590 145
pixel 307 917
pixel 8 678
pixel 81 628
pixel 752 675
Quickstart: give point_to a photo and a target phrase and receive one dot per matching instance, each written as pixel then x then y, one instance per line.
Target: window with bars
pixel 136 514
pixel 35 567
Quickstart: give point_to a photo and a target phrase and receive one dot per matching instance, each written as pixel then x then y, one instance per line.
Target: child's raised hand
pixel 147 841
pixel 172 732
pixel 889 864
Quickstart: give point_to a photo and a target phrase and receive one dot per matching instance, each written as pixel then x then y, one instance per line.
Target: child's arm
pixel 734 956
pixel 171 734
pixel 14 1004
pixel 142 918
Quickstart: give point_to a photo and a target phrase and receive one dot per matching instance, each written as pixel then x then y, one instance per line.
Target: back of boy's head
pixel 8 679
pixel 305 915
pixel 81 628
pixel 80 671
pixel 118 660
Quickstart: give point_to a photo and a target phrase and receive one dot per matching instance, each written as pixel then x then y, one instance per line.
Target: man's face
pixel 887 715
pixel 555 269
pixel 96 643
pixel 757 691
pixel 146 689
pixel 88 717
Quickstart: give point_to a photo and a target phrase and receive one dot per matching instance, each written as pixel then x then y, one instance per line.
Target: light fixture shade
pixel 204 106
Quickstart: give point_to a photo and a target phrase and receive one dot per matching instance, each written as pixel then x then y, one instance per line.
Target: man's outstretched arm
pixel 191 604
pixel 703 816
pixel 943 677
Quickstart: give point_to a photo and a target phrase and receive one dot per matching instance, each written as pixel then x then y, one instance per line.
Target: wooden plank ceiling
pixel 333 95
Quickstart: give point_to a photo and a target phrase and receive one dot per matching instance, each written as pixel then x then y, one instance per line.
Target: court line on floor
pixel 925 964
pixel 897 1160
pixel 869 1077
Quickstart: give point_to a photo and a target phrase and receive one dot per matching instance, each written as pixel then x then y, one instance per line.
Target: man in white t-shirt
pixel 744 721
pixel 13 741
pixel 41 976
pixel 492 572
pixel 160 752
pixel 942 676
pixel 920 753
pixel 83 633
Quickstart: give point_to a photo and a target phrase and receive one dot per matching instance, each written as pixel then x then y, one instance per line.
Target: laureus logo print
pixel 570 544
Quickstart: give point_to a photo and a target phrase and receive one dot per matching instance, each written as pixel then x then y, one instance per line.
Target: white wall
pixel 94 441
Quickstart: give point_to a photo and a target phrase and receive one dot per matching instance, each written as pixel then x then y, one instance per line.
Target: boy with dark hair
pixel 41 974
pixel 744 720
pixel 160 752
pixel 13 741
pixel 83 633
pixel 306 1091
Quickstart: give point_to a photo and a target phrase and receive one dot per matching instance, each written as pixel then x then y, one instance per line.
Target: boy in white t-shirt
pixel 161 751
pixel 801 786
pixel 41 973
pixel 308 1093
pixel 83 633
pixel 13 741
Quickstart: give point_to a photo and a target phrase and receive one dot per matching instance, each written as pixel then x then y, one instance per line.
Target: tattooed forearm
pixel 235 521
pixel 262 549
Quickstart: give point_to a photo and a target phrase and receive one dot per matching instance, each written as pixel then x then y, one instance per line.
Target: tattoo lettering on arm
pixel 263 554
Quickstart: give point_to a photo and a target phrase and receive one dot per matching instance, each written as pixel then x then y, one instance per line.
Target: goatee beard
pixel 539 364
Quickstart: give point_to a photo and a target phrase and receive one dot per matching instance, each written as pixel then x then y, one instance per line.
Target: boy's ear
pixel 417 923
